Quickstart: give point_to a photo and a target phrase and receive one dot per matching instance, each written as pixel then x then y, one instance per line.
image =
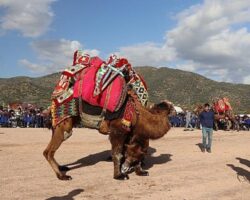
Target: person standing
pixel 188 121
pixel 207 122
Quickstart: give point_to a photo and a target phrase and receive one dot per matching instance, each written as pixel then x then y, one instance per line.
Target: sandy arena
pixel 177 168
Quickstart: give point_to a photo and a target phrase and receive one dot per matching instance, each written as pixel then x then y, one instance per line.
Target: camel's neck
pixel 153 125
pixel 159 119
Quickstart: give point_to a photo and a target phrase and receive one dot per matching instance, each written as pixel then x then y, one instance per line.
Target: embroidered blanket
pixel 139 86
pixel 114 95
pixel 63 91
pixel 64 111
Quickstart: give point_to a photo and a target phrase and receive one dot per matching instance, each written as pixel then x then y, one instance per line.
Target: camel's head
pixel 134 155
pixel 164 106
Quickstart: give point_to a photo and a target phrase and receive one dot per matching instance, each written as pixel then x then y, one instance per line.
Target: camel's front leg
pixel 139 171
pixel 60 133
pixel 117 142
pixel 135 153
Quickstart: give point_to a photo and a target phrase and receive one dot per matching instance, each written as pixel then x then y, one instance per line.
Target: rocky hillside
pixel 183 88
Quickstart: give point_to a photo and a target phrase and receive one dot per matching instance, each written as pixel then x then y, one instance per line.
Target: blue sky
pixel 209 37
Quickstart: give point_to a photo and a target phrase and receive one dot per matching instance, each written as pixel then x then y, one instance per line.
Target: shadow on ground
pixel 150 160
pixel 200 145
pixel 244 161
pixel 241 173
pixel 93 159
pixel 89 160
pixel 69 196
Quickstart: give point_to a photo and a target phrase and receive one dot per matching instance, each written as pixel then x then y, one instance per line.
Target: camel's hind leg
pixel 60 133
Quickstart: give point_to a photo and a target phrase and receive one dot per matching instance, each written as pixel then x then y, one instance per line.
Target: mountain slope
pixel 183 88
pixel 187 89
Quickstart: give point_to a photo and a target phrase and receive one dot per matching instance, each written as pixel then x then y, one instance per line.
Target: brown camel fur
pixel 147 124
pixel 151 124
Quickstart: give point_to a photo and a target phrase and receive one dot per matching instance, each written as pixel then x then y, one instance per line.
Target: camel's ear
pixel 162 106
pixel 169 106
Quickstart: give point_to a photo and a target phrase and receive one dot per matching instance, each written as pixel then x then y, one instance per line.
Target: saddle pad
pixel 63 111
pixel 116 91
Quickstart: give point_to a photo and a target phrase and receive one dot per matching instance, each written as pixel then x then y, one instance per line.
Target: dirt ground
pixel 177 168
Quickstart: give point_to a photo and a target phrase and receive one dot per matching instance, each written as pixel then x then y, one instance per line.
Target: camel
pixel 129 142
pixel 128 149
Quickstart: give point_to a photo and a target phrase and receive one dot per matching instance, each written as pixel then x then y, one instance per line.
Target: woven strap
pixel 106 100
pixel 80 91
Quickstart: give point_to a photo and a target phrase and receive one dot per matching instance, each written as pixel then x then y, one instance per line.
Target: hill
pixel 183 88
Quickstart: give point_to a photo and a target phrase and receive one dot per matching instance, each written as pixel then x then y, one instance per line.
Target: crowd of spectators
pixel 34 118
pixel 189 120
pixel 244 122
pixel 22 118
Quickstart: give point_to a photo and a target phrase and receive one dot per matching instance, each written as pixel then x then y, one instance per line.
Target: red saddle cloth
pixel 114 95
pixel 222 105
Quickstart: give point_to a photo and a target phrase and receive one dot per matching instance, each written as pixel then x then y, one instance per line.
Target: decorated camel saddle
pixel 222 105
pixel 98 83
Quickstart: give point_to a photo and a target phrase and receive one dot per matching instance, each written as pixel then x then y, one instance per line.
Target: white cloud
pixel 33 67
pixel 54 55
pixel 246 80
pixel 56 51
pixel 207 35
pixel 147 54
pixel 211 38
pixel 31 17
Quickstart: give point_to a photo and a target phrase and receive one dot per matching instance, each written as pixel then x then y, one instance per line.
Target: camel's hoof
pixel 142 173
pixel 121 177
pixel 126 176
pixel 65 178
pixel 63 168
